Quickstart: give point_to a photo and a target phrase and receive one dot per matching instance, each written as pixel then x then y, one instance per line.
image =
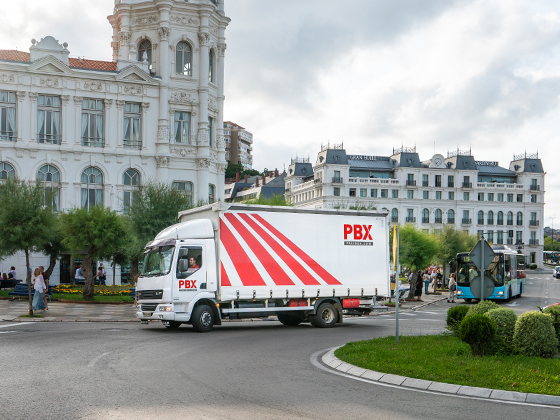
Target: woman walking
pixel 419 285
pixel 39 286
pixel 452 288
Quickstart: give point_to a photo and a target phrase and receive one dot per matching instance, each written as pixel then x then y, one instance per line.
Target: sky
pixel 438 75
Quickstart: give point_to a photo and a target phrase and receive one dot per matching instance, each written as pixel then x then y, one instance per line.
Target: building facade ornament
pixel 120 103
pixel 163 161
pixel 78 100
pixel 213 29
pixel 144 20
pixel 203 39
pixel 183 97
pixel 221 168
pixel 202 163
pixel 163 134
pixel 145 106
pixel 203 138
pixel 164 32
pixel 33 96
pixel 49 82
pixel 222 49
pixel 108 103
pixel 21 95
pixel 93 86
pixel 133 90
pixel 65 99
pixel 187 21
pixel 212 104
pixel 183 151
pixel 213 156
pixel 7 78
pixel 220 142
pixel 125 37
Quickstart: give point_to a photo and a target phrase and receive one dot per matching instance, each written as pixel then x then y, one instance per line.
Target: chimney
pixel 264 179
pixel 246 178
pixel 257 181
pixel 237 177
pixel 276 172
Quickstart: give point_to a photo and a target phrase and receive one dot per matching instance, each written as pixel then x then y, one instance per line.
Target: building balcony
pixel 411 183
pixel 533 223
pixel 533 241
pixel 466 185
pixel 450 221
pixel 411 220
pixel 438 185
pixel 500 185
pixel 490 223
pixel 535 187
pixel 337 180
pixel 480 222
pixel 510 222
pixel 318 181
pixel 425 220
pixel 394 219
pixel 450 185
pixel 466 221
pixel 519 223
pixel 8 135
pixel 438 220
pixel 374 181
pixel 425 183
pixel 509 241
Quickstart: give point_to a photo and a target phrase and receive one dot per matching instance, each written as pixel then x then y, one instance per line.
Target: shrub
pixel 454 317
pixel 534 334
pixel 482 307
pixel 478 331
pixel 504 318
pixel 554 312
pixel 533 266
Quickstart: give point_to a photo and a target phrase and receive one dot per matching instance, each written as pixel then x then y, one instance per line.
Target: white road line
pixel 7 332
pixel 15 325
pixel 97 358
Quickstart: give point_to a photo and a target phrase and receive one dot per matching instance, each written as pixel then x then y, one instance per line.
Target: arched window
pixel 394 216
pixel 211 66
pixel 6 171
pixel 183 58
pixel 500 219
pixel 145 47
pixel 510 218
pixel 451 216
pixel 183 187
pixel 519 218
pixel 425 216
pixel 480 217
pixel 131 180
pixel 92 188
pixel 490 217
pixel 439 216
pixel 50 176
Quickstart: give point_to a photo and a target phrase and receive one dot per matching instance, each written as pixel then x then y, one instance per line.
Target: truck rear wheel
pixel 326 316
pixel 202 318
pixel 289 319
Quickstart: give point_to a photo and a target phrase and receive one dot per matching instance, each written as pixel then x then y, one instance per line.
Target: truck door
pixel 190 273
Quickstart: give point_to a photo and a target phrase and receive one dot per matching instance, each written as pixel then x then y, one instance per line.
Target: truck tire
pixel 326 316
pixel 289 319
pixel 172 325
pixel 202 318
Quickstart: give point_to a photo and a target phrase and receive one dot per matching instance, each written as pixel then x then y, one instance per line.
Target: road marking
pixel 15 325
pixel 97 358
pixel 512 304
pixel 7 332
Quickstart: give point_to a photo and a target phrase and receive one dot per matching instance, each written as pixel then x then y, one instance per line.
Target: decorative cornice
pixel 184 20
pixel 144 20
pixel 213 29
pixel 108 103
pixel 93 86
pixel 164 33
pixel 221 168
pixel 65 99
pixel 183 151
pixel 33 96
pixel 21 95
pixel 78 100
pixel 145 106
pixel 203 39
pixel 163 161
pixel 202 163
pixel 7 78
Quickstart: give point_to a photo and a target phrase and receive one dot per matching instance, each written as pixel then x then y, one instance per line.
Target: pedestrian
pixel 79 275
pixel 452 288
pixel 433 278
pixel 103 275
pixel 418 291
pixel 12 271
pixel 426 279
pixel 39 286
pixel 46 280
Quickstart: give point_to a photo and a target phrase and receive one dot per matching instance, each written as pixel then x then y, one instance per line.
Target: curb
pixel 334 363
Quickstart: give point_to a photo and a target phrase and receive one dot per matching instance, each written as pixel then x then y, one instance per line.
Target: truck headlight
pixel 165 308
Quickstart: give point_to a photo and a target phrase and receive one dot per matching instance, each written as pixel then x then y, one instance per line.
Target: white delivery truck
pixel 244 261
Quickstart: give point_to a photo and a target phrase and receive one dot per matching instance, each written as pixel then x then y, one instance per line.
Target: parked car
pixel 556 272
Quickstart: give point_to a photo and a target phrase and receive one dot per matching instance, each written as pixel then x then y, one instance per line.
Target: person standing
pixel 12 271
pixel 103 275
pixel 39 286
pixel 418 291
pixel 426 278
pixel 46 280
pixel 452 288
pixel 79 274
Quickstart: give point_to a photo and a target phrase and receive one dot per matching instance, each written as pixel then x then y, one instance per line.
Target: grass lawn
pixel 445 358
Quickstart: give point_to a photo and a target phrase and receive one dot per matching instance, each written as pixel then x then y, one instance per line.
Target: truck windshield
pixel 157 261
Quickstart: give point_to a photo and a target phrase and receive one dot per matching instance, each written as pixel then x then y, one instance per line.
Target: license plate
pixel 147 313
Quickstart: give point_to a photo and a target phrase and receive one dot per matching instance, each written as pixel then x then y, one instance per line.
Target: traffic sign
pixel 476 284
pixel 482 254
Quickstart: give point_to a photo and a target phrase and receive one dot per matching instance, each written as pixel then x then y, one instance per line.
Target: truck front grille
pixel 150 294
pixel 148 308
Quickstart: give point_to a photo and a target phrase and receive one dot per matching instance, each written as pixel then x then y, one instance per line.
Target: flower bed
pixel 97 290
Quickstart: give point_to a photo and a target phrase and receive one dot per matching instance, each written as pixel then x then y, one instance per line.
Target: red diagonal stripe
pixel 290 261
pixel 241 261
pixel 224 277
pixel 324 274
pixel 278 276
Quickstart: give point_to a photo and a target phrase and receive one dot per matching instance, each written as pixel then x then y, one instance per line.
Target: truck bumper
pixel 163 312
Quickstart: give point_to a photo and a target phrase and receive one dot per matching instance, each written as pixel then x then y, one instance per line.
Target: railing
pixel 450 221
pixel 48 138
pixel 8 135
pixel 425 220
pixel 318 181
pixel 466 221
pixel 375 181
pixel 450 184
pixel 132 144
pixel 394 219
pixel 425 183
pixel 438 220
pixel 303 186
pixel 411 220
pixel 510 241
pixel 438 184
pixel 510 222
pixel 519 223
pixel 490 222
pixel 467 185
pixel 535 187
pixel 499 185
pixel 533 241
pixel 533 222
pixel 92 142
pixel 337 180
pixel 411 183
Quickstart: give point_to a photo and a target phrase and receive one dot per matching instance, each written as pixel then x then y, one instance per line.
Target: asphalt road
pixel 245 370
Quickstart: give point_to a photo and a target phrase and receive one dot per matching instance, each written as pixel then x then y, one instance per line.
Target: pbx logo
pixel 361 235
pixel 187 285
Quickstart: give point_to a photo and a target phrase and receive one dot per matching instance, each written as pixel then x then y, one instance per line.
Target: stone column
pixel 78 119
pixel 162 144
pixel 108 104
pixel 120 125
pixel 125 31
pixel 203 155
pixel 220 142
pixel 33 98
pixel 66 131
pixel 19 111
pixel 145 106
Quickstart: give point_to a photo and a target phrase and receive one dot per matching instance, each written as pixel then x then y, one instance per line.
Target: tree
pixel 155 207
pixel 417 249
pixel 98 233
pixel 53 247
pixel 451 242
pixel 233 168
pixel 26 220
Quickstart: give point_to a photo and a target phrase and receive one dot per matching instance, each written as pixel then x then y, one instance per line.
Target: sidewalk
pixel 85 312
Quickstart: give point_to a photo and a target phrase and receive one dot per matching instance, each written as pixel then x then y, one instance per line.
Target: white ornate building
pixel 480 197
pixel 98 128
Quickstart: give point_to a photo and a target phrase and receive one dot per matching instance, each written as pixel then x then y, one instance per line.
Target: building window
pixel 466 217
pixel 501 197
pixel 438 195
pixel 352 192
pixel 424 180
pixel 490 217
pixel 211 193
pixel 425 195
pixel 438 216
pixel 466 196
pixel 48 119
pixel 520 198
pixel 500 219
pixel 451 195
pixel 410 180
pixel 500 237
pixel 50 176
pixel 450 181
pixel 425 216
pixel 510 237
pixel 394 216
pixel 510 198
pixel 373 193
pixel 131 180
pixel 519 237
pixel 92 188
pixel 7 115
pixel 183 58
pixel 395 193
pixel 210 131
pixel 480 220
pixel 410 216
pixel 184 187
pixel 410 194
pixel 336 191
pixel 438 181
pixel 510 218
pixel 211 66
pixel 519 218
pixel 363 192
pixel 533 221
pixel 132 134
pixel 384 193
pixel 533 198
pixel 92 122
pixel 145 48
pixel 480 196
pixel 451 216
pixel 182 127
pixel 480 233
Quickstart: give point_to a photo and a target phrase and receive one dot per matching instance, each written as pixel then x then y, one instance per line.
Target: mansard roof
pixel 80 63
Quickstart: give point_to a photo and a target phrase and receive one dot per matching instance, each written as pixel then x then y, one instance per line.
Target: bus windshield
pixel 467 271
pixel 157 261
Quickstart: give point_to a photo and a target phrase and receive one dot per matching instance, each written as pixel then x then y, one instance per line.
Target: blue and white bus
pixel 507 271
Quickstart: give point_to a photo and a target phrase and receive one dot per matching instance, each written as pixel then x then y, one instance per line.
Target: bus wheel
pixel 326 316
pixel 508 298
pixel 468 300
pixel 202 318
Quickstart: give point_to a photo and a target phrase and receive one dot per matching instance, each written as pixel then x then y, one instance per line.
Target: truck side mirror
pixel 183 264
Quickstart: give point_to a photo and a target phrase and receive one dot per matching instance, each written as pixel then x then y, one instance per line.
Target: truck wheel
pixel 202 318
pixel 289 319
pixel 172 325
pixel 326 316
